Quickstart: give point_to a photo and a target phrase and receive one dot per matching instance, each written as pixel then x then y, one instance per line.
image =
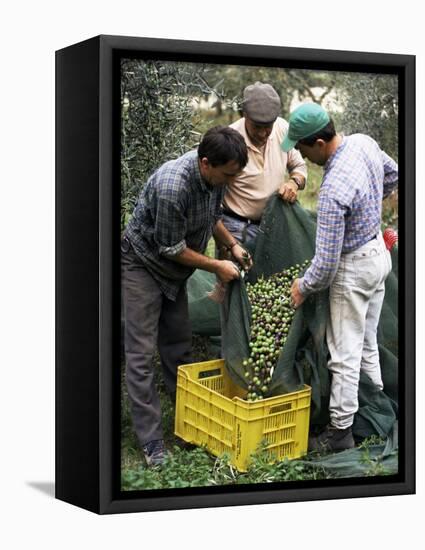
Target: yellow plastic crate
pixel 210 411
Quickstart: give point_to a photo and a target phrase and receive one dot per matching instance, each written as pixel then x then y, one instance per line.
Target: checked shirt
pixel 356 178
pixel 176 209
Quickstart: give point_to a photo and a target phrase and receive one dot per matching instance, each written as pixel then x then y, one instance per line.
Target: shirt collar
pixel 197 173
pixel 337 151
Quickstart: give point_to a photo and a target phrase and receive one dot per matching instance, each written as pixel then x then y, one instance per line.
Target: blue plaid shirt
pixel 176 209
pixel 355 180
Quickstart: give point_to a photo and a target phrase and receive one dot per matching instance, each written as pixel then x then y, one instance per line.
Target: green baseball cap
pixel 306 120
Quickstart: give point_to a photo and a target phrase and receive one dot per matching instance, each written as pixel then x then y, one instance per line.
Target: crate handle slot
pixel 209 373
pixel 281 408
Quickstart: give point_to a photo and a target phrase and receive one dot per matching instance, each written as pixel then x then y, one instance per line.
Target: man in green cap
pixel 350 258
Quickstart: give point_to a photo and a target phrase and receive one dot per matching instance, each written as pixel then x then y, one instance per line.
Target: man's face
pixel 219 176
pixel 258 133
pixel 314 153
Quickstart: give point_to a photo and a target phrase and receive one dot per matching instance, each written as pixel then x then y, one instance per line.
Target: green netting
pixel 204 313
pixel 363 461
pixel 287 237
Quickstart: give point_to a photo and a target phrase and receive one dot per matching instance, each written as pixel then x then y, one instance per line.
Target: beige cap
pixel 261 103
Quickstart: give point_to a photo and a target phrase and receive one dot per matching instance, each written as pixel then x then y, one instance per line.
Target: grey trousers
pixel 242 231
pixel 151 320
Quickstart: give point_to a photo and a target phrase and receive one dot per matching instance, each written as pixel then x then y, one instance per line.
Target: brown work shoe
pixel 332 439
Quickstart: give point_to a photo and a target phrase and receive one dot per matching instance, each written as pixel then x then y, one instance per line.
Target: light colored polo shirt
pixel 264 173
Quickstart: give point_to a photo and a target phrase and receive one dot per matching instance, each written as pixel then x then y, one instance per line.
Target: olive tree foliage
pixel 370 106
pixel 359 102
pixel 156 121
pixel 167 106
pixel 227 83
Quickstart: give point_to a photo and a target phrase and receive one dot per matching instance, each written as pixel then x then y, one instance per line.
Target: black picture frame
pixel 87 274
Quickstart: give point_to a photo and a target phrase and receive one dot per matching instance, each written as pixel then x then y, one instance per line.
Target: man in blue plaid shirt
pixel 178 211
pixel 350 258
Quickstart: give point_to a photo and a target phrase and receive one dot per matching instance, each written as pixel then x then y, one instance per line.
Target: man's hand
pixel 296 296
pixel 288 191
pixel 242 256
pixel 226 271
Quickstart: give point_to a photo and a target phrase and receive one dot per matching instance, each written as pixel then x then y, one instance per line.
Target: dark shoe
pixel 332 439
pixel 154 452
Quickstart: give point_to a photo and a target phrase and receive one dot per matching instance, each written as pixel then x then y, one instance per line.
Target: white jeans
pixel 356 297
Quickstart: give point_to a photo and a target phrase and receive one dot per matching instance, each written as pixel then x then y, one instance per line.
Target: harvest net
pixel 286 238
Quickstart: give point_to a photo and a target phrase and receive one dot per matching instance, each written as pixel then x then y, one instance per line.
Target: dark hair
pixel 222 144
pixel 326 133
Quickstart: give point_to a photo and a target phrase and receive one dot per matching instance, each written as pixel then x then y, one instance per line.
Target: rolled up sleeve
pixel 390 174
pixel 170 227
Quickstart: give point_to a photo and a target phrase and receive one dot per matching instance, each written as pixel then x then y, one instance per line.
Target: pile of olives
pixel 271 314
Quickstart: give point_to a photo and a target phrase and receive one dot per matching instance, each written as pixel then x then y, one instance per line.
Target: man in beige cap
pixel 269 169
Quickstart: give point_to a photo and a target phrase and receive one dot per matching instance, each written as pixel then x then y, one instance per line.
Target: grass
pixel 195 467
pixel 309 195
pixel 191 466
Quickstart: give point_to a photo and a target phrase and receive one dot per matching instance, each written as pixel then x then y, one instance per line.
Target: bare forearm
pixel 191 258
pixel 225 270
pixel 222 235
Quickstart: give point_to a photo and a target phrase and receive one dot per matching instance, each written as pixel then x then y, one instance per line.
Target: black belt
pixel 232 214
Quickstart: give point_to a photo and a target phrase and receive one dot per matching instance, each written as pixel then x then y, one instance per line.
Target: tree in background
pixel 156 121
pixel 167 106
pixel 227 83
pixel 370 106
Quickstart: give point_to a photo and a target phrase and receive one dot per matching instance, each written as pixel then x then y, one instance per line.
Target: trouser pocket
pixel 367 271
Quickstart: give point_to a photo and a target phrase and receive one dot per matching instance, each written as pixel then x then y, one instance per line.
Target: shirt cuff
pixel 302 287
pixel 172 250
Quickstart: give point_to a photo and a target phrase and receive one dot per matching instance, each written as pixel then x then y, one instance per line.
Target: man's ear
pixel 204 162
